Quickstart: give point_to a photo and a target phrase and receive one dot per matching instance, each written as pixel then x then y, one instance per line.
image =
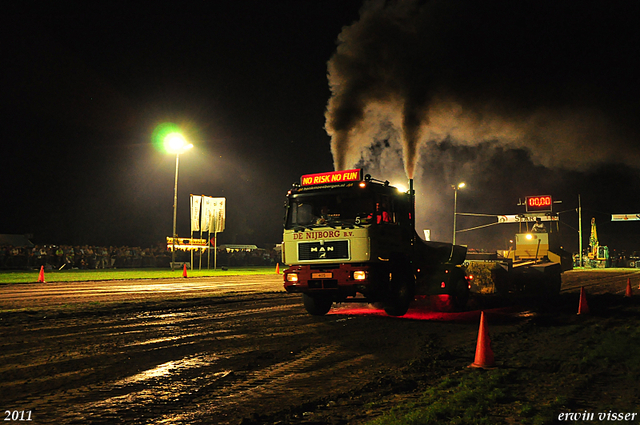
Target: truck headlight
pixel 359 275
pixel 292 277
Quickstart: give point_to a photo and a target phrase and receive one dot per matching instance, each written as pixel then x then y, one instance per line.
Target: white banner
pixel 213 214
pixel 625 217
pixel 522 218
pixel 218 215
pixel 196 200
pixel 206 213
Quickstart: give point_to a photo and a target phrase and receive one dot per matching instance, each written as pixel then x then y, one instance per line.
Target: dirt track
pixel 240 358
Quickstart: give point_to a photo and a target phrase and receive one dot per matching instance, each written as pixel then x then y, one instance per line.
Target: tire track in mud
pixel 140 323
pixel 41 295
pixel 225 379
pixel 213 363
pixel 182 384
pixel 137 323
pixel 217 392
pixel 115 327
pixel 199 365
pixel 34 377
pixel 245 354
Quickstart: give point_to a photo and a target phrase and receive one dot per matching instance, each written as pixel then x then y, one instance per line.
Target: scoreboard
pixel 540 203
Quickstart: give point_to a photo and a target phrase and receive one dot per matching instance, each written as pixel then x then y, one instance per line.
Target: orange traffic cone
pixel 41 275
pixel 184 270
pixel 583 307
pixel 277 268
pixel 484 355
pixel 628 292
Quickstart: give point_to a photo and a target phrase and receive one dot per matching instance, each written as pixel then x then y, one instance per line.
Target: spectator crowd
pixel 95 257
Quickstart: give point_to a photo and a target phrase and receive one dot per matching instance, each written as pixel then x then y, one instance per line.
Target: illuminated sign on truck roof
pixel 331 177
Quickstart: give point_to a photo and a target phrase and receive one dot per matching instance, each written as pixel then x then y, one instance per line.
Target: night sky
pixel 514 98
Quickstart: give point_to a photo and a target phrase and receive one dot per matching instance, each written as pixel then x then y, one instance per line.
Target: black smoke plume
pixel 558 79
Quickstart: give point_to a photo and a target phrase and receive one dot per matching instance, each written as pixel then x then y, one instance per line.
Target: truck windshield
pixel 327 210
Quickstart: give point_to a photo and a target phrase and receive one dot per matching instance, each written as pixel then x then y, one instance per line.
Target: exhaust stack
pixel 412 209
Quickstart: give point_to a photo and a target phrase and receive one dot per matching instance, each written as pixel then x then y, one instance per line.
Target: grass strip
pixel 31 276
pixel 464 397
pixel 590 366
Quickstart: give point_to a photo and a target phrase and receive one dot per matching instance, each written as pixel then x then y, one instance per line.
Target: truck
pixel 352 238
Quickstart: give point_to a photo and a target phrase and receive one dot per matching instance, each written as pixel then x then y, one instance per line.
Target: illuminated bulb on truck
pixel 359 275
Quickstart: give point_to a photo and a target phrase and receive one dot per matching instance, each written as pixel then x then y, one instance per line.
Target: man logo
pixel 323 250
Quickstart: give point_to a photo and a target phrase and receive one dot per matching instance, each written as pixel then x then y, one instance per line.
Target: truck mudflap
pixel 431 253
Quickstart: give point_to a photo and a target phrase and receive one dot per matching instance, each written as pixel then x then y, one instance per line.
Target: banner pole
pixel 215 251
pixel 201 249
pixel 209 250
pixel 580 230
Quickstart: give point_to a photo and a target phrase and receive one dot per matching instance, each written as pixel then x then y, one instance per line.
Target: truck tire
pixel 401 293
pixel 315 305
pixel 460 294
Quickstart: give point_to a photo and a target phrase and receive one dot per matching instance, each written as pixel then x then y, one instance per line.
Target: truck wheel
pixel 316 306
pixel 460 294
pixel 401 294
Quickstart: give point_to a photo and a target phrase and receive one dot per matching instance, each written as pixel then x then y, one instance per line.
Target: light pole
pixel 455 207
pixel 175 143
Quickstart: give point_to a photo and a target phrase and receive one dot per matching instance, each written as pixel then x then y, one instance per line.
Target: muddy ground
pixel 260 358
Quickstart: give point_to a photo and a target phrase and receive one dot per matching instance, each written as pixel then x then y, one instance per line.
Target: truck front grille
pixel 323 250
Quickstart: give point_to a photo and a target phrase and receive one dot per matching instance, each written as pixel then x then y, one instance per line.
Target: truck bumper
pixel 342 279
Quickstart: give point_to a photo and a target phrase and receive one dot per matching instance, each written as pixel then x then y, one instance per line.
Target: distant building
pixel 19 241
